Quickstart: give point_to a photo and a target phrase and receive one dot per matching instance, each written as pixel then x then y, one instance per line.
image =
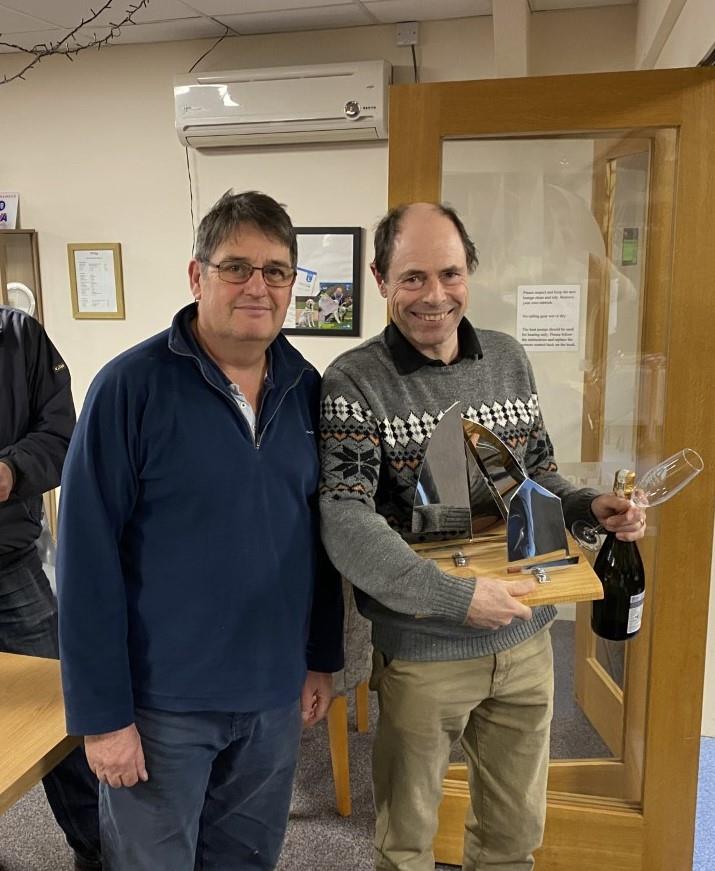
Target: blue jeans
pixel 218 793
pixel 28 625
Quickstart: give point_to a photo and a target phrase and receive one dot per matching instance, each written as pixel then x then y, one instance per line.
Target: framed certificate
pixel 326 293
pixel 96 280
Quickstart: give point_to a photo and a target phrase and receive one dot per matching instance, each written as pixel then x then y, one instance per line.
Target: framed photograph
pixel 326 293
pixel 96 279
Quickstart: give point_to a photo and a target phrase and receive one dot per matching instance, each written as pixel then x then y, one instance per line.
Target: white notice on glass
pixel 96 287
pixel 547 316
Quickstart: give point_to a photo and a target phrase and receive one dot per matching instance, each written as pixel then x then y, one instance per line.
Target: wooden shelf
pixel 20 261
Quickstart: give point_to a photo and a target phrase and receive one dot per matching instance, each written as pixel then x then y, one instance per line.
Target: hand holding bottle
pixel 620 516
pixel 656 485
pixel 618 565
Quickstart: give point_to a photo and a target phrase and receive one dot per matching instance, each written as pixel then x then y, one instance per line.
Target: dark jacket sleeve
pixel 324 651
pixel 36 459
pixel 99 489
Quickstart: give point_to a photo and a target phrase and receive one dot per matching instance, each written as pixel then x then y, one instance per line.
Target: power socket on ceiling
pixel 408 32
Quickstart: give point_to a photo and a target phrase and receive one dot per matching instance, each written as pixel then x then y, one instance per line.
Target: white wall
pixel 674 33
pixel 94 154
pixel 692 37
pixel 582 40
pixel 655 20
pixel 95 157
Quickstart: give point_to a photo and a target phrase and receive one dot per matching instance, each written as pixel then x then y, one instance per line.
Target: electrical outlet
pixel 407 32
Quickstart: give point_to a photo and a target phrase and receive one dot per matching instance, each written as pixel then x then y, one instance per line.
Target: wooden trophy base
pixel 487 556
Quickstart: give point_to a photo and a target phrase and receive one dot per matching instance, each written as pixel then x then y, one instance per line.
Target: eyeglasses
pixel 239 272
pixel 417 280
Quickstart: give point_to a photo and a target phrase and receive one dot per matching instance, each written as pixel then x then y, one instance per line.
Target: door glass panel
pixel 572 233
pixel 626 170
pixel 627 191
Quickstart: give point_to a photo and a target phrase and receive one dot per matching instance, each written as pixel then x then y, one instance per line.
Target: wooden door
pixel 633 810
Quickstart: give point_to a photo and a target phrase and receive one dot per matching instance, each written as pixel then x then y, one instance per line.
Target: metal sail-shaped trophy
pixel 474 500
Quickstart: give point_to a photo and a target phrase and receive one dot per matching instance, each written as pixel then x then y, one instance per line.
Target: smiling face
pixel 426 282
pixel 250 312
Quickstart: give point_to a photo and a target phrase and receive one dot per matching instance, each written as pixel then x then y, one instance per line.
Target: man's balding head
pixel 389 228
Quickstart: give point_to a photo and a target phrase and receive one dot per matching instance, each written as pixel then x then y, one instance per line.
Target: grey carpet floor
pixel 318 839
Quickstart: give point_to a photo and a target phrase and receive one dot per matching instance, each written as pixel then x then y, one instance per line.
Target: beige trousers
pixel 500 707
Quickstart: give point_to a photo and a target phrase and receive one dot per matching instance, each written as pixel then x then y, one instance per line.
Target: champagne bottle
pixel 619 566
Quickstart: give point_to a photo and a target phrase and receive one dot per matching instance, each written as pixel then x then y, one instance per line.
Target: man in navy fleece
pixel 199 617
pixel 36 422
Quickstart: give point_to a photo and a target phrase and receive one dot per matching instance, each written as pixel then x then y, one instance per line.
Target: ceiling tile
pixel 69 13
pixel 160 31
pixel 425 10
pixel 157 10
pixel 224 8
pixel 298 19
pixel 550 5
pixel 163 31
pixel 27 22
pixel 16 22
pixel 35 37
pixel 66 13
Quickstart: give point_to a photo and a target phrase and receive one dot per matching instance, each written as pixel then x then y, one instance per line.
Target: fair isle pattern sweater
pixel 381 402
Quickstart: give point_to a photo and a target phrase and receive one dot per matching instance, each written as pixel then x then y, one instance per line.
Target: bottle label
pixel 635 613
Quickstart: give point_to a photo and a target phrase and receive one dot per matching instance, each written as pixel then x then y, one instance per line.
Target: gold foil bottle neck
pixel 624 482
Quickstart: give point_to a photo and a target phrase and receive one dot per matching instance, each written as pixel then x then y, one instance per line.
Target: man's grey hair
pixel 389 227
pixel 233 211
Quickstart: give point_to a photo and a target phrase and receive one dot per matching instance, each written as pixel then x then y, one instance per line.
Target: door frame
pixel 584 831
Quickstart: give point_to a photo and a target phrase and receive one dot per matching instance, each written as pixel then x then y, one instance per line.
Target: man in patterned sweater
pixel 476 664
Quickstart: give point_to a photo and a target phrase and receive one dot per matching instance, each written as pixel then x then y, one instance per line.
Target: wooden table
pixel 33 738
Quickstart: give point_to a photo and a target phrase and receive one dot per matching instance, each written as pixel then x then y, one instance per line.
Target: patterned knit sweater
pixel 379 409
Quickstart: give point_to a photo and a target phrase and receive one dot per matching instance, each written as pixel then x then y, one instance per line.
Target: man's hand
pixel 117 757
pixel 496 603
pixel 315 697
pixel 618 515
pixel 7 481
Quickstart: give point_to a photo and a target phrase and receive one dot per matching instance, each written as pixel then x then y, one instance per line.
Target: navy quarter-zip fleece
pixel 190 573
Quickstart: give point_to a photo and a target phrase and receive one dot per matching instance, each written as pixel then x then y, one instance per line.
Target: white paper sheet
pixel 96 287
pixel 547 316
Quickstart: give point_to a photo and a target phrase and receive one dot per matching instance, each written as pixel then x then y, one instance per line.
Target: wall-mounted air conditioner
pixel 330 102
